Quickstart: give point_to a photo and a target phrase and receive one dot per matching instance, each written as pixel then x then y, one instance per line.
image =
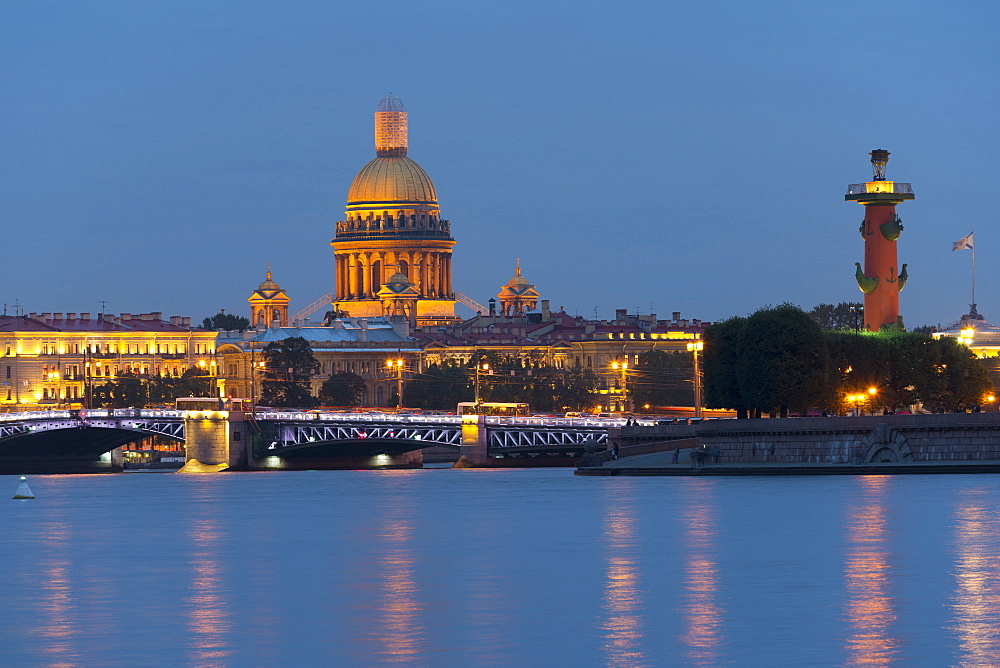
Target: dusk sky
pixel 655 156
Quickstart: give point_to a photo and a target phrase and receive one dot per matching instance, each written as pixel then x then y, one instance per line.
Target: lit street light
pixel 624 369
pixel 480 367
pixel 398 365
pixel 695 348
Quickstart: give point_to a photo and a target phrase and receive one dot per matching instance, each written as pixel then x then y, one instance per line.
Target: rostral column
pixel 882 278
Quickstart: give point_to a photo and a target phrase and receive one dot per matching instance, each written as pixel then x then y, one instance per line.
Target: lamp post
pixel 398 365
pixel 858 311
pixel 623 366
pixel 967 335
pixel 479 367
pixel 695 348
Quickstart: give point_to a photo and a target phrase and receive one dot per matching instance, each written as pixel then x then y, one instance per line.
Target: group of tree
pixel 780 360
pixel 130 390
pixel 509 378
pixel 227 322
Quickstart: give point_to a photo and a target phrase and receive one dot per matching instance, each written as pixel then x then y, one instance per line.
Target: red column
pixel 882 304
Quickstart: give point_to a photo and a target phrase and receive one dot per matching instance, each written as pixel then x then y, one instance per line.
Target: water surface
pixel 500 567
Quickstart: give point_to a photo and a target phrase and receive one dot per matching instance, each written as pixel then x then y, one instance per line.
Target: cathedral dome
pixel 392 180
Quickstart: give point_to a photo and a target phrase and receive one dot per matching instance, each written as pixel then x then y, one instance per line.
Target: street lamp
pixel 624 369
pixel 398 365
pixel 857 312
pixel 967 335
pixel 695 347
pixel 480 367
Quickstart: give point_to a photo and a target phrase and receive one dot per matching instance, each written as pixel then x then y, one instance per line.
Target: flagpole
pixel 973 276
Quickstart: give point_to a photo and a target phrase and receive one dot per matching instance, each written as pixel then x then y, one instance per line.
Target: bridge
pixel 69 441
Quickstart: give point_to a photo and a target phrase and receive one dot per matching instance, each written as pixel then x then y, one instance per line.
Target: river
pixel 442 567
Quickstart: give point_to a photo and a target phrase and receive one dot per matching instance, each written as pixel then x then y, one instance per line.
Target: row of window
pixel 121 349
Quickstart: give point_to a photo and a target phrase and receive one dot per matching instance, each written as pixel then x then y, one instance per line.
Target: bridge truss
pixel 526 438
pixel 290 435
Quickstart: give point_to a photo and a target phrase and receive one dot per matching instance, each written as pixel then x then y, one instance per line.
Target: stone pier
pixel 474 442
pixel 215 441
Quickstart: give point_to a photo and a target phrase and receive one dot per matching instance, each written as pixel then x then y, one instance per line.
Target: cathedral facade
pixel 392 251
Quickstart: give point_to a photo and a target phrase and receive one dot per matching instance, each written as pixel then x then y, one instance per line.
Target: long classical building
pixel 392 251
pixel 51 360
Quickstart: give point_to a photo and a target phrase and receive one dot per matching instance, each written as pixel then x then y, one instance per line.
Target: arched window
pixel 277 314
pixel 379 396
pixel 404 268
pixel 376 276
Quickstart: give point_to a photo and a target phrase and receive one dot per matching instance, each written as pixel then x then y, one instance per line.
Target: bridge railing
pixel 33 415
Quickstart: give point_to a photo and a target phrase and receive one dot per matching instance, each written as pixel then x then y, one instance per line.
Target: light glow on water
pixel 871 610
pixel 703 613
pixel 976 600
pixel 623 606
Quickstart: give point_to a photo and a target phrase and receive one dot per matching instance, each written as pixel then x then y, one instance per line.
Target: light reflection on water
pixel 506 568
pixel 209 621
pixel 58 626
pixel 870 608
pixel 398 625
pixel 703 613
pixel 976 600
pixel 623 623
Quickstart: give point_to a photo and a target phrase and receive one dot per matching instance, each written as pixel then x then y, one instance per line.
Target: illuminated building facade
pixel 360 346
pixel 564 341
pixel 393 228
pixel 881 279
pixel 50 360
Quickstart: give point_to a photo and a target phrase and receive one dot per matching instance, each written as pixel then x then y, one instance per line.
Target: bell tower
pixel 268 304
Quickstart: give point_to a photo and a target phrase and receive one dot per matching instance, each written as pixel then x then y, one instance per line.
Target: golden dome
pixel 392 179
pixel 518 279
pixel 268 285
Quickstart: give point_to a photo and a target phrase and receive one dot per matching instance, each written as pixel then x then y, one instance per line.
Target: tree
pixel 845 315
pixel 125 391
pixel 342 389
pixel 289 365
pixel 439 387
pixel 720 363
pixel 226 321
pixel 783 361
pixel 662 379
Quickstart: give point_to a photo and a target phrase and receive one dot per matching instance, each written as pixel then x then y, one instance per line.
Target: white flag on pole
pixel 963 243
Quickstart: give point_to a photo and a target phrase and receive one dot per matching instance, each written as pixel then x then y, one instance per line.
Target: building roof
pixel 109 324
pixel 347 330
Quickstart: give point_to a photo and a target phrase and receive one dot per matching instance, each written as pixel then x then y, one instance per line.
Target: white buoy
pixel 23 491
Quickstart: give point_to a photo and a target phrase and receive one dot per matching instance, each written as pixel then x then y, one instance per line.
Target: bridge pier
pixel 475 438
pixel 215 441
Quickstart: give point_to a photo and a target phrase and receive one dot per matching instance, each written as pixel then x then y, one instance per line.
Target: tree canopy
pixel 289 365
pixel 226 321
pixel 510 378
pixel 845 315
pixel 342 389
pixel 129 390
pixel 774 360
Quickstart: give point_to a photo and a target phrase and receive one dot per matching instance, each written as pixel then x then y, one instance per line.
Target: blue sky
pixel 664 156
